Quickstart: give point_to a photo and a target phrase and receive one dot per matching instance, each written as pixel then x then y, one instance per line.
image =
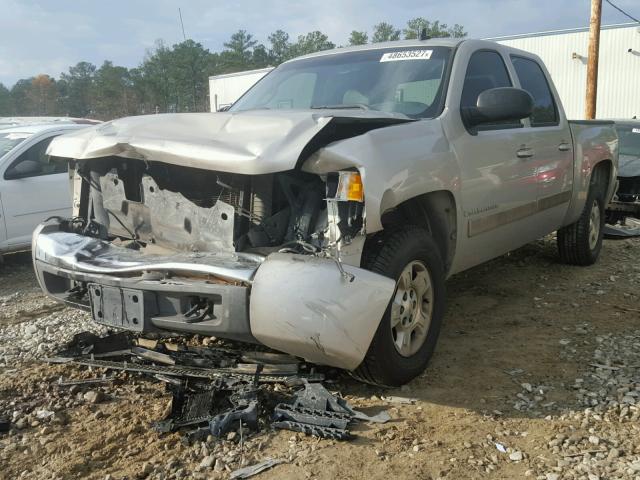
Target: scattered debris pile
pixel 216 389
pixel 317 412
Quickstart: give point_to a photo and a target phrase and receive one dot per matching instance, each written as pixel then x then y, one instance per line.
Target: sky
pixel 48 36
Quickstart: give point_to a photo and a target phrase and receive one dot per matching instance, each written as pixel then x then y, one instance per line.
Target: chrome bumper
pixel 298 304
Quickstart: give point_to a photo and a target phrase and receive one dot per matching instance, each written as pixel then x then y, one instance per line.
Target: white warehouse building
pixel 564 52
pixel 227 88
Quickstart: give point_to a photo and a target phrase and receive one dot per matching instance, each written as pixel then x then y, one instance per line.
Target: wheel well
pixel 436 212
pixel 601 174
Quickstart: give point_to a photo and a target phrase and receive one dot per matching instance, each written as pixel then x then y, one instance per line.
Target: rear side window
pixel 486 70
pixel 534 81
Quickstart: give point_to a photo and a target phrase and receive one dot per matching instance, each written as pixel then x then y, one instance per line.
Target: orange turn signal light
pixel 350 187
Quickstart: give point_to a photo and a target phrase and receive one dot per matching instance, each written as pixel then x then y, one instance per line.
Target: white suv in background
pixel 31 188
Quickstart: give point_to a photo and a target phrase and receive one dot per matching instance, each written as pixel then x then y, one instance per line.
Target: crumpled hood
pixel 250 142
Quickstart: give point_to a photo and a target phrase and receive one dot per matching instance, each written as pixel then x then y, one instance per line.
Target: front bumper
pixel 298 304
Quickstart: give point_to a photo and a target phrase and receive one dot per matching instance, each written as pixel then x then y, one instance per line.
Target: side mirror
pixel 500 104
pixel 26 168
pixel 224 108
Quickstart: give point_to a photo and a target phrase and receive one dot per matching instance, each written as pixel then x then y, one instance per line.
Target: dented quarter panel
pixel 301 305
pixel 396 163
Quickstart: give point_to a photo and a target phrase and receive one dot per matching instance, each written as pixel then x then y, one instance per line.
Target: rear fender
pixel 594 142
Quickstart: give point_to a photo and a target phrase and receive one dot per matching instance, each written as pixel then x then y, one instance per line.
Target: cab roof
pixel 432 42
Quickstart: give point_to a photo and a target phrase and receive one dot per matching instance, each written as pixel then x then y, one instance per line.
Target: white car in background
pixel 31 188
pixel 17 121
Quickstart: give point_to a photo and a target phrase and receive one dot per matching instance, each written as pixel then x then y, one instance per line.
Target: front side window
pixel 534 81
pixel 34 162
pixel 486 70
pixel 404 80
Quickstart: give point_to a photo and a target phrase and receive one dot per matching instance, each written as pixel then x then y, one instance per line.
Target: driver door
pixel 33 190
pixel 499 184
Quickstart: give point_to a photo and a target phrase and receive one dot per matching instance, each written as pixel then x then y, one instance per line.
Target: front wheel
pixel 408 332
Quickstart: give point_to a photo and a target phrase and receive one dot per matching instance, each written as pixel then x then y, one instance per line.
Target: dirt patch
pixel 514 367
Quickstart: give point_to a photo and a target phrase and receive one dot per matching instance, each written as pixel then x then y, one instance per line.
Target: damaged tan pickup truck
pixel 321 215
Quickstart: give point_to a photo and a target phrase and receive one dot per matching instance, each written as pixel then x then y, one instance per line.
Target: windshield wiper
pixel 361 106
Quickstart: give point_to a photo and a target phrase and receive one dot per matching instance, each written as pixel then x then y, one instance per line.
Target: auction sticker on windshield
pixel 636 130
pixel 406 55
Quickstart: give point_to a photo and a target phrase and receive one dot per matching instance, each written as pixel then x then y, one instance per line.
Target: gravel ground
pixel 537 375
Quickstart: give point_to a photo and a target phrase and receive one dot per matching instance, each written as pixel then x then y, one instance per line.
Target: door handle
pixel 525 152
pixel 564 147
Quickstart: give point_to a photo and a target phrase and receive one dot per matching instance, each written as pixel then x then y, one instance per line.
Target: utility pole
pixel 592 60
pixel 184 37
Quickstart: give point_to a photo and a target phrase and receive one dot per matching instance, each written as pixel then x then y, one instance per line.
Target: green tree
pixel 174 79
pixel 312 42
pixel 21 97
pixel 237 55
pixel 141 92
pixel 260 57
pixel 156 80
pixel 457 31
pixel 280 48
pixel 190 69
pixel 358 38
pixel 114 95
pixel 76 90
pixel 434 29
pixel 6 108
pixel 385 32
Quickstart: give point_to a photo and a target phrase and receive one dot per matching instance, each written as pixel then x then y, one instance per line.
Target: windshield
pixel 8 141
pixel 629 139
pixel 405 80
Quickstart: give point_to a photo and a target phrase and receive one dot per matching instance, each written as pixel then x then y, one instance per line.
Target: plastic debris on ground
pixel 216 389
pixel 252 470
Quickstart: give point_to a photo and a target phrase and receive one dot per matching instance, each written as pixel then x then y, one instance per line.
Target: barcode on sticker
pixel 406 55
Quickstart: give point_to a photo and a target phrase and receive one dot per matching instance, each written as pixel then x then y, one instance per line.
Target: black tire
pixel 389 254
pixel 575 243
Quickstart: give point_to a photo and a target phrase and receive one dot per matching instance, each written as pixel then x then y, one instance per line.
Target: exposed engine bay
pixel 155 207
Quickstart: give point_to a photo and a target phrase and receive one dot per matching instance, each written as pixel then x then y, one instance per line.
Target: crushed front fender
pixel 303 306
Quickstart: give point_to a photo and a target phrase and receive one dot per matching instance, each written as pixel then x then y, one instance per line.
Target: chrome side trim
pixel 554 200
pixel 477 226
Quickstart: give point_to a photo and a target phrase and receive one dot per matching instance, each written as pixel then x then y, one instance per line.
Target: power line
pixel 622 11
